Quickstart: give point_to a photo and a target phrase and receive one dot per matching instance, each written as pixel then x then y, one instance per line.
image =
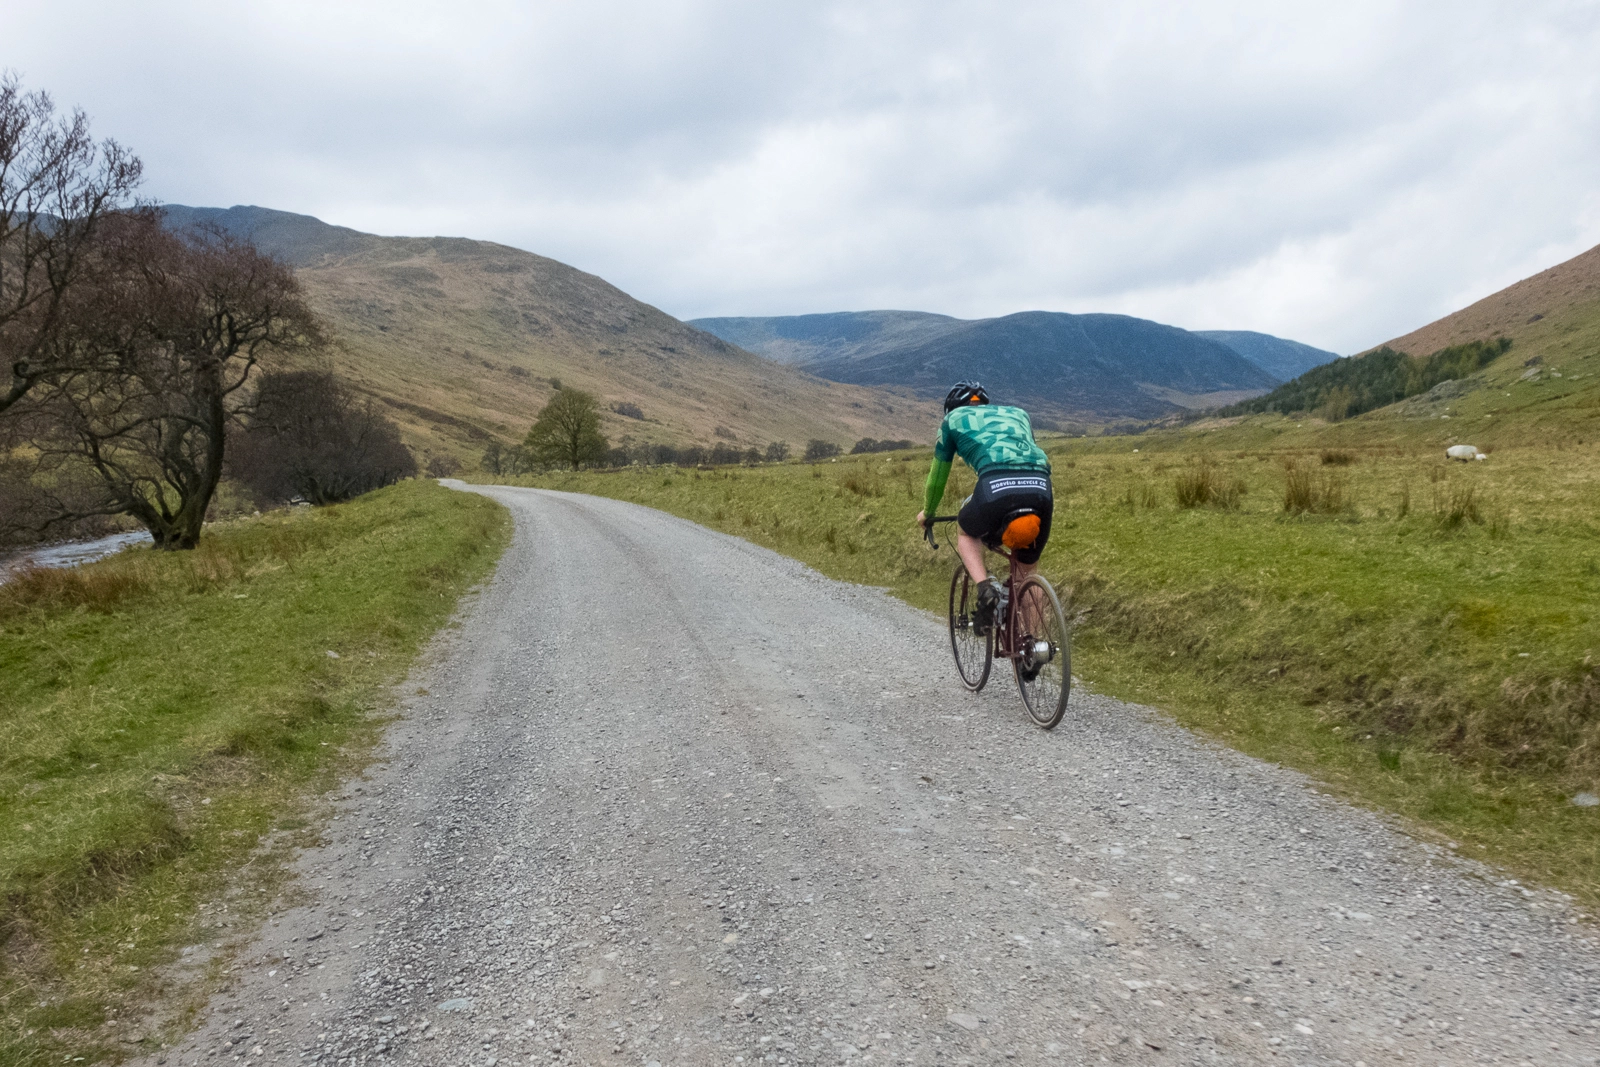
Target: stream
pixel 68 553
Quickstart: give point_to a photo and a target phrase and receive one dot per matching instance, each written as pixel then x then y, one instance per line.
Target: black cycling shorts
pixel 1000 497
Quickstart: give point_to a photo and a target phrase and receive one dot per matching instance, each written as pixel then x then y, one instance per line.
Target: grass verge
pixel 1419 635
pixel 169 718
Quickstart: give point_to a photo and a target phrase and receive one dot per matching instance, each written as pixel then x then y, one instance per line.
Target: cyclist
pixel 1012 503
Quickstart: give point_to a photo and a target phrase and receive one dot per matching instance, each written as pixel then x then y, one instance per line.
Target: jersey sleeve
pixel 944 449
pixel 938 475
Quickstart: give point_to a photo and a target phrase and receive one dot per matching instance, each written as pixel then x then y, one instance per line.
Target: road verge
pixel 170 721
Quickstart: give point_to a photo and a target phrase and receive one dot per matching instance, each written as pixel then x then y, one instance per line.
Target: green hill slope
pixel 464 340
pixel 1519 367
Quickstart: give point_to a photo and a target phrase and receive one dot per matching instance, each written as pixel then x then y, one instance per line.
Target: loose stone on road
pixel 672 799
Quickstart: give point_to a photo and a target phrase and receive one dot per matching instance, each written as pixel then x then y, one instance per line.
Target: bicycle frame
pixel 1005 628
pixel 1030 638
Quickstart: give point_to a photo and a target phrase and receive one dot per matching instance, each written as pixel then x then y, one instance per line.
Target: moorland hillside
pixel 1563 292
pixel 1517 367
pixel 465 340
pixel 1086 368
pixel 807 339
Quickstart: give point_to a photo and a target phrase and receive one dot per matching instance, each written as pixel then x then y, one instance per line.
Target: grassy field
pixel 1419 635
pixel 169 719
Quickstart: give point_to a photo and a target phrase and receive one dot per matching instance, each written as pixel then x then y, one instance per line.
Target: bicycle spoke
pixel 1042 652
pixel 973 651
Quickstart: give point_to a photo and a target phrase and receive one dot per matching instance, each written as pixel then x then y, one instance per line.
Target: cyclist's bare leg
pixel 970 549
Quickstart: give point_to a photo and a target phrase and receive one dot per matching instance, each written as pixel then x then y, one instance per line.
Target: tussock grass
pixel 1351 636
pixel 167 715
pixel 1141 494
pixel 1456 505
pixel 1202 484
pixel 1313 492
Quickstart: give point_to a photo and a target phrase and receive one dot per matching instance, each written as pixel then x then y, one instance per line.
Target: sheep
pixel 1465 453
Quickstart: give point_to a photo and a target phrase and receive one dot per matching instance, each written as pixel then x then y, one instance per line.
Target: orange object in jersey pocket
pixel 1021 532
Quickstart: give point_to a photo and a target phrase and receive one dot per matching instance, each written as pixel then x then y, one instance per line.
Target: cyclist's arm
pixel 938 475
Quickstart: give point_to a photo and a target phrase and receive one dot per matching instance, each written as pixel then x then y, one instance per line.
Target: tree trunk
pixel 180 531
pixel 192 515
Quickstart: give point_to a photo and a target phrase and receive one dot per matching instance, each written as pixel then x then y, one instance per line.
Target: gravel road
pixel 668 798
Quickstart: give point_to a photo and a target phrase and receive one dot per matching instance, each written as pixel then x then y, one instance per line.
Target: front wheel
pixel 1041 648
pixel 973 651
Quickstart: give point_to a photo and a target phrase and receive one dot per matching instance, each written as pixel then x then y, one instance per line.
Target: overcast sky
pixel 1335 173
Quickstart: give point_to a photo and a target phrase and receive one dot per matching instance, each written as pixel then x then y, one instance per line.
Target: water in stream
pixel 69 553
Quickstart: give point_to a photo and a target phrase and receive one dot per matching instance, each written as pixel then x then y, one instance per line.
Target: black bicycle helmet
pixel 964 393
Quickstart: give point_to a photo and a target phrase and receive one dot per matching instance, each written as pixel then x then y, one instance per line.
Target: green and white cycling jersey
pixel 988 437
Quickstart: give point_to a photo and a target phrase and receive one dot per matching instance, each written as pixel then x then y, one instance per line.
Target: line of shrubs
pixel 868 444
pixel 519 459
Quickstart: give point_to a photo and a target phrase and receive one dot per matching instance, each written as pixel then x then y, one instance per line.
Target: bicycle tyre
pixel 1045 681
pixel 973 653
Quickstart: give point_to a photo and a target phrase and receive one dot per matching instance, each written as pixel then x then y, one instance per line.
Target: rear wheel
pixel 973 651
pixel 1042 652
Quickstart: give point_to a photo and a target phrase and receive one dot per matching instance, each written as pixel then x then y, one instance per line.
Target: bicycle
pixel 1032 634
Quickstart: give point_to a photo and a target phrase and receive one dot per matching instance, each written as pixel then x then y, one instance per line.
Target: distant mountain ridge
pixel 803 339
pixel 1073 367
pixel 1278 356
pixel 466 340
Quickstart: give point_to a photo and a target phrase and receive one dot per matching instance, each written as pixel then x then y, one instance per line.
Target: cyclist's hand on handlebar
pixel 922 519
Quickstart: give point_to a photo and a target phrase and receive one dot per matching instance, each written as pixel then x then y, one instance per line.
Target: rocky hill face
pixel 1088 368
pixel 464 341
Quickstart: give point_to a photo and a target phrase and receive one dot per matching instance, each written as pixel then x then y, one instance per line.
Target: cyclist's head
pixel 964 393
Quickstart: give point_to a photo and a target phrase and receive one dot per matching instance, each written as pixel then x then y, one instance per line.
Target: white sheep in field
pixel 1465 453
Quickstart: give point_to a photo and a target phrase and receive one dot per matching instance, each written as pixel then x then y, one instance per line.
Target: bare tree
pixel 57 187
pixel 567 431
pixel 152 369
pixel 443 465
pixel 309 436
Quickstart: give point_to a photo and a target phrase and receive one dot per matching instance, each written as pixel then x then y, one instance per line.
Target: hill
pixel 806 339
pixel 1073 367
pixel 1281 358
pixel 1518 366
pixel 1088 368
pixel 1559 293
pixel 464 341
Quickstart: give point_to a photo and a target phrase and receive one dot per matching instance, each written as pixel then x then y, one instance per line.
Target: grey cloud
pixel 1338 175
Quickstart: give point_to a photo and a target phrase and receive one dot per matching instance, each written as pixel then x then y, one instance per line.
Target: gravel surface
pixel 668 798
